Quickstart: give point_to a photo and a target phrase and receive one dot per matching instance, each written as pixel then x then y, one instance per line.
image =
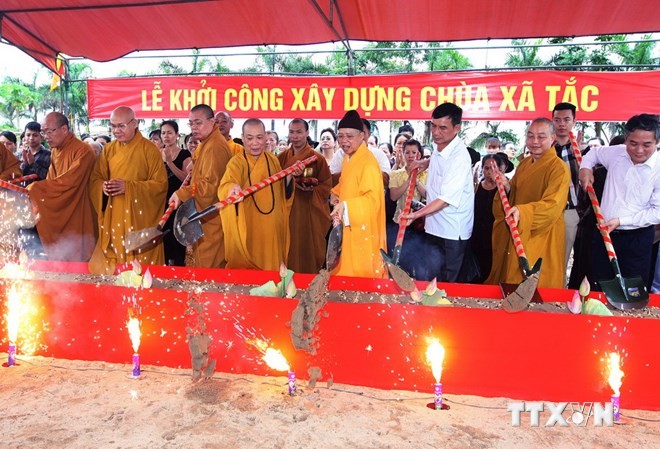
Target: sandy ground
pixel 53 403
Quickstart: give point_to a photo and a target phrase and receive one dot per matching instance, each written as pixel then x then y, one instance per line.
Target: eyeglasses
pixel 47 131
pixel 198 122
pixel 121 126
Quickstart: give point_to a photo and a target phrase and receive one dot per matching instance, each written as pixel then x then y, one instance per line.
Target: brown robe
pixel 309 219
pixel 209 164
pixel 67 221
pixel 10 166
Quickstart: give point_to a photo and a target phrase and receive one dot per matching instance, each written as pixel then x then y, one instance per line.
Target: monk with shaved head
pixel 66 226
pixel 128 187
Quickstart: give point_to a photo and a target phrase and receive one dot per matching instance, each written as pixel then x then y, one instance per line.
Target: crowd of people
pixel 89 194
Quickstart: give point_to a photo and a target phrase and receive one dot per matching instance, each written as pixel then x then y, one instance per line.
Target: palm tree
pixel 524 56
pixel 493 130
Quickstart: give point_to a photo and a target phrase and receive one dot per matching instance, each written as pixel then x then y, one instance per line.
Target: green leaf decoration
pixel 595 307
pixel 268 289
pixel 439 298
pixel 128 279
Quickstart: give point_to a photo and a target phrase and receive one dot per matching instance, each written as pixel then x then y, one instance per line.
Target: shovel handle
pixel 10 186
pixel 23 178
pixel 515 235
pixel 406 207
pixel 600 218
pixel 250 190
pixel 166 215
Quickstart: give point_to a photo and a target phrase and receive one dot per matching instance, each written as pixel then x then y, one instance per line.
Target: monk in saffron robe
pixel 359 202
pixel 225 124
pixel 257 228
pixel 10 166
pixel 209 164
pixel 128 187
pixel 309 220
pixel 537 194
pixel 67 227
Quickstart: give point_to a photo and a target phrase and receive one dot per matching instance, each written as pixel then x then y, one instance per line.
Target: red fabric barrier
pixel 529 355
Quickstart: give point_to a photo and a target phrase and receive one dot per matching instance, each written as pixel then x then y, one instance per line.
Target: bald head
pixel 225 123
pixel 123 123
pixel 55 128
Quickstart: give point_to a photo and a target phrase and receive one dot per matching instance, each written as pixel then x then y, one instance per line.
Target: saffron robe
pixel 67 227
pixel 140 164
pixel 539 189
pixel 10 166
pixel 234 147
pixel 209 164
pixel 253 239
pixel 361 188
pixel 309 220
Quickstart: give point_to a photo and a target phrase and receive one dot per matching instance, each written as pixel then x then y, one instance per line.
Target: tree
pixel 76 94
pixel 522 56
pixel 445 59
pixel 17 100
pixel 493 130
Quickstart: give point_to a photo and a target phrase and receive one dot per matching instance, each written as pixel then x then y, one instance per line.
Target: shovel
pixel 622 293
pixel 187 225
pixel 520 298
pixel 150 237
pixel 398 275
pixel 333 251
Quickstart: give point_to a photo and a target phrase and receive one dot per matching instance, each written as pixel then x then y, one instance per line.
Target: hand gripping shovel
pixel 150 237
pixel 622 293
pixel 187 225
pixel 520 298
pixel 398 275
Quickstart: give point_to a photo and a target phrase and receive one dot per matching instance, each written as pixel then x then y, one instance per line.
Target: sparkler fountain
pixel 435 354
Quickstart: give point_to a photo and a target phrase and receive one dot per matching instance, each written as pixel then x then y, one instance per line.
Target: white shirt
pixel 450 179
pixel 632 191
pixel 381 157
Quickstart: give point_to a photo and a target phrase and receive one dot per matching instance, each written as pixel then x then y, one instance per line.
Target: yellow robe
pixel 234 147
pixel 539 189
pixel 361 187
pixel 10 166
pixel 140 164
pixel 310 214
pixel 67 226
pixel 256 240
pixel 209 164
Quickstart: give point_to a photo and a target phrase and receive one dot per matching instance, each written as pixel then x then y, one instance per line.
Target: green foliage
pixel 493 130
pixel 18 99
pixel 524 56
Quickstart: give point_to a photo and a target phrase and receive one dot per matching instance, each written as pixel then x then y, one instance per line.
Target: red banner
pixel 599 96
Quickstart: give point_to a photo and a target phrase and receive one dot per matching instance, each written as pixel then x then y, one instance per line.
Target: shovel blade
pixel 398 275
pixel 333 252
pixel 185 231
pixel 625 293
pixel 144 239
pixel 520 298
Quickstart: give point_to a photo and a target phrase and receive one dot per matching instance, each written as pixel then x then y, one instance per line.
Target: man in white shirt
pixel 383 161
pixel 449 194
pixel 631 198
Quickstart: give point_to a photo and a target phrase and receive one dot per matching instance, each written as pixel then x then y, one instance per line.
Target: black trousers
pixel 633 251
pixel 446 257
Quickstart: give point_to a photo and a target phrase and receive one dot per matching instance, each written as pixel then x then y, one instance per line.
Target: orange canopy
pixel 103 30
